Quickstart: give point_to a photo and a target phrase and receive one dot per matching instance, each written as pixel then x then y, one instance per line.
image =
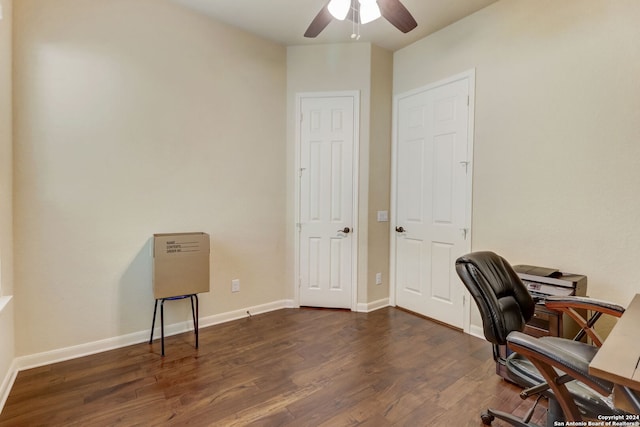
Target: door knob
pixel 400 229
pixel 345 230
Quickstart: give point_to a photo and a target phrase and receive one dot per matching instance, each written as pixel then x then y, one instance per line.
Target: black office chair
pixel 556 368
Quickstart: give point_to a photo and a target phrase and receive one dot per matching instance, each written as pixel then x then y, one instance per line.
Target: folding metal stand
pixel 194 312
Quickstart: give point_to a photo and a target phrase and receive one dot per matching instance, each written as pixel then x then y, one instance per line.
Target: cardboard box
pixel 180 264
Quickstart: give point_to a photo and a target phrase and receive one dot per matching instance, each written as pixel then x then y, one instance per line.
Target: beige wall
pixel 379 171
pixel 7 348
pixel 132 118
pixel 114 98
pixel 344 67
pixel 6 152
pixel 557 128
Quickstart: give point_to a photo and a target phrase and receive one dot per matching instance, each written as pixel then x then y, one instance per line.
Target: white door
pixel 432 199
pixel 326 202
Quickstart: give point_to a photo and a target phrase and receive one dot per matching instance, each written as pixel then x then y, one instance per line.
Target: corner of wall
pixel 6 150
pixel 7 325
pixel 378 251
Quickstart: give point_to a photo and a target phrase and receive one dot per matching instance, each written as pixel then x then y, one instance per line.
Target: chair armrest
pixel 605 307
pixel 569 305
pixel 538 350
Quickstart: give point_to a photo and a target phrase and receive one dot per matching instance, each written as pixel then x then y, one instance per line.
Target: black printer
pixel 542 281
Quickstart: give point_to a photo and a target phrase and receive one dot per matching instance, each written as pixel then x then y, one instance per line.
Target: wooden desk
pixel 618 359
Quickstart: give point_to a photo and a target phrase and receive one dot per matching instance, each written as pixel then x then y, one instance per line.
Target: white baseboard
pixel 4 301
pixel 372 306
pixel 7 383
pixel 245 312
pixel 6 309
pixel 477 331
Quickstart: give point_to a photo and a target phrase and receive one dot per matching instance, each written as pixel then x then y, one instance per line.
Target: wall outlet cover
pixel 383 216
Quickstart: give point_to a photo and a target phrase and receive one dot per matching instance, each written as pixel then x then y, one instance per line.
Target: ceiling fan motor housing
pixel 362 11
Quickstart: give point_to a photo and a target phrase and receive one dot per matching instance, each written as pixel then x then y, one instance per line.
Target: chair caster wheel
pixel 487 418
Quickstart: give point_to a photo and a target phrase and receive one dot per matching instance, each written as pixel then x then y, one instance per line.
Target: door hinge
pixel 464 231
pixel 299 225
pixel 300 172
pixel 467 100
pixel 301 117
pixel 465 163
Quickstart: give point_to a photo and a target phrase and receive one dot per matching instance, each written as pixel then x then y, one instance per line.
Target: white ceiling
pixel 285 21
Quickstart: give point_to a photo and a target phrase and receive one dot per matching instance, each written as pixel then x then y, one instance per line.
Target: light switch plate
pixel 383 216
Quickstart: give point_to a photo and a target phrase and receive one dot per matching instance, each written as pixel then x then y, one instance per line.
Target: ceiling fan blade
pixel 319 23
pixel 397 14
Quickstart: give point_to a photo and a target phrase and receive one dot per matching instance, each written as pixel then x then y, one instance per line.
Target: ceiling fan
pixel 362 12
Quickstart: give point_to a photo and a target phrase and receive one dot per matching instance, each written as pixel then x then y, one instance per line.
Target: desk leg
pixel 153 323
pixel 196 321
pixel 193 314
pixel 162 325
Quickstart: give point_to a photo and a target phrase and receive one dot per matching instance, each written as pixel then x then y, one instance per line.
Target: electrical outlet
pixel 235 285
pixel 378 278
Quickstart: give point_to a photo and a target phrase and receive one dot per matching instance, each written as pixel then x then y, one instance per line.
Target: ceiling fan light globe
pixel 369 11
pixel 339 8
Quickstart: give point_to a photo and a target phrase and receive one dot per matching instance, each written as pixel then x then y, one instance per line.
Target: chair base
pixel 554 413
pixel 491 414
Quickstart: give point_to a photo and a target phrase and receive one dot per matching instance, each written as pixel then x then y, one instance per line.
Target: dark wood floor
pixel 293 367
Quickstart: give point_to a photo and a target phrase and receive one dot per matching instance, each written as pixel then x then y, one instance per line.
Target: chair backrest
pixel 503 300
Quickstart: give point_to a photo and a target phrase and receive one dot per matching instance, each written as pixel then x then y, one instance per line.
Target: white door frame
pixel 355 94
pixel 471 76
